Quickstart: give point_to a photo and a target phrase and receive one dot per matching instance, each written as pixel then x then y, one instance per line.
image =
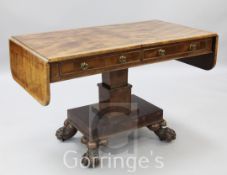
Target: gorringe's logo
pixel 72 159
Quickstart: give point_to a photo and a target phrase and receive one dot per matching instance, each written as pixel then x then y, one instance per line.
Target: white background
pixel 194 101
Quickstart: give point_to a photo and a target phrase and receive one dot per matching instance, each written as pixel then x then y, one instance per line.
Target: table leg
pixel 163 132
pixel 91 158
pixel 66 132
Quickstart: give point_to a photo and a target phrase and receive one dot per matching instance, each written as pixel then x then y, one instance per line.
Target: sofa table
pixel 40 59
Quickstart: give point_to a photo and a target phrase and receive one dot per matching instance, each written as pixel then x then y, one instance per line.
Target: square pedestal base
pixel 96 125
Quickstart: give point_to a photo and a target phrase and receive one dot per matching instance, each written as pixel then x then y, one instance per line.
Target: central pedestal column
pixel 115 90
pixel 117 111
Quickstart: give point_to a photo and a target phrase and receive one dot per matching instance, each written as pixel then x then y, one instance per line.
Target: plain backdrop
pixel 194 101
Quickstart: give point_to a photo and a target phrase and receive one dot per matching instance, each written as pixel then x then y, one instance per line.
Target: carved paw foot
pixel 166 134
pixel 91 158
pixel 66 132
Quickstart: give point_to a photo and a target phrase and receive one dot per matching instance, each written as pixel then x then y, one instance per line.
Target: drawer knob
pixel 84 66
pixel 162 52
pixel 192 47
pixel 122 59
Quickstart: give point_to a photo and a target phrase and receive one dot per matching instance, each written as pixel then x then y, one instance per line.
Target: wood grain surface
pixel 68 44
pixel 31 72
pixel 84 119
pixel 40 59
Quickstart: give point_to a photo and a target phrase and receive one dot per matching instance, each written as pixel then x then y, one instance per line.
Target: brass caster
pixel 85 141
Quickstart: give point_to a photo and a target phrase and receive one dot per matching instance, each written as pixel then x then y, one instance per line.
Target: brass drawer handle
pixel 84 66
pixel 123 59
pixel 162 52
pixel 192 47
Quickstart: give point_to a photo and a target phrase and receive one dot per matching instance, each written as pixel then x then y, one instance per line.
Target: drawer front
pixel 90 64
pixel 179 49
pixel 108 62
